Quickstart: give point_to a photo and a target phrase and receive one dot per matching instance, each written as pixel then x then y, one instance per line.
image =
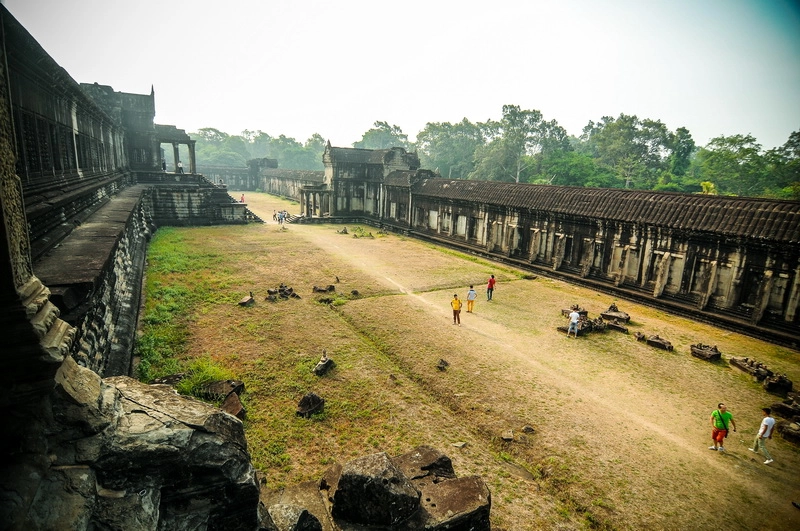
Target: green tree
pixel 382 136
pixel 450 148
pixel 514 143
pixel 783 166
pixel 734 164
pixel 636 150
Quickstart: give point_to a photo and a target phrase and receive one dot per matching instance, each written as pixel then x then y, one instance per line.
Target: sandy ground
pixel 621 429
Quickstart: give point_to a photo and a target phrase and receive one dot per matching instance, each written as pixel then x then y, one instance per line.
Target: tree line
pixel 523 147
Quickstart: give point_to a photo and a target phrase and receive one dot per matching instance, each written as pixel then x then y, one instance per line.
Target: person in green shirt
pixel 721 419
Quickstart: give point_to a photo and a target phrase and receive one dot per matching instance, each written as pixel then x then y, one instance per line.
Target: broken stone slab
pixel 507 435
pixel 220 389
pixel 424 461
pixel 371 490
pixel 790 431
pixel 528 429
pixel 285 517
pixel 442 365
pixel 460 503
pixel 460 444
pixel 233 406
pixel 310 404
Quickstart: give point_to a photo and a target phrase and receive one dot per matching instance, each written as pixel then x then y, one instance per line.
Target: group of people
pixel 280 217
pixel 164 166
pixel 722 419
pixel 472 295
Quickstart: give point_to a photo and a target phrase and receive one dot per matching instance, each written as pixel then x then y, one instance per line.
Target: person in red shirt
pixel 490 288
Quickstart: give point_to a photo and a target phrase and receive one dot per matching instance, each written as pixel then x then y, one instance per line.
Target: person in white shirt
pixel 471 296
pixel 764 432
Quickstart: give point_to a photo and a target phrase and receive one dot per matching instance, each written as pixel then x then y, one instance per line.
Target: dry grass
pixel 621 428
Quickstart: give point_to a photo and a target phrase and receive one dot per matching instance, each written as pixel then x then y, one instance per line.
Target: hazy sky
pixel 298 67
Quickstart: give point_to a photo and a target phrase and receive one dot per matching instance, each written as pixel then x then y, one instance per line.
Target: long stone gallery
pixel 83 189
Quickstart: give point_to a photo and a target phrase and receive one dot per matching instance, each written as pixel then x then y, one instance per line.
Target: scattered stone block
pixel 706 352
pixel 777 384
pixel 442 365
pixel 528 429
pixel 659 342
pixel 309 405
pixel 371 490
pixel 614 314
pixel 618 326
pixel 507 435
pixel 247 301
pixel 324 364
pixel 790 431
pixel 756 369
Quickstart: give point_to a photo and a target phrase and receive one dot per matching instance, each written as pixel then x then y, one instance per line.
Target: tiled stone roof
pixel 299 175
pixel 766 219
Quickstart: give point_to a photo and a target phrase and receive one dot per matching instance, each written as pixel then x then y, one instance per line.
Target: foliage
pixel 734 164
pixel 521 146
pixel 200 372
pixel 450 148
pixel 216 148
pixel 382 136
pixel 514 143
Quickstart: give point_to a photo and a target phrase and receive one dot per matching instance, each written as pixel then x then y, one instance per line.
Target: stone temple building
pixel 82 188
pixel 728 260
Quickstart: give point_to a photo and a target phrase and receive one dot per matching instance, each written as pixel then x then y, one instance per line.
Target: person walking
pixel 574 317
pixel 764 432
pixel 456 305
pixel 721 418
pixel 490 288
pixel 471 296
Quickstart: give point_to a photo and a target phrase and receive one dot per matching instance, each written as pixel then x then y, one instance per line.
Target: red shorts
pixel 718 434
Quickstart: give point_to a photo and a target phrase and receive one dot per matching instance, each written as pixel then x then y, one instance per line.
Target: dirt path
pixel 625 424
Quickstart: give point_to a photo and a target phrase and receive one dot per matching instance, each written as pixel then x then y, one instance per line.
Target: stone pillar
pixel 192 158
pixel 176 156
pixel 762 299
pixel 794 297
pixel 35 341
pixel 662 274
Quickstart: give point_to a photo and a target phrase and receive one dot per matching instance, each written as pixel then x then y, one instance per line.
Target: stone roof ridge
pixel 760 218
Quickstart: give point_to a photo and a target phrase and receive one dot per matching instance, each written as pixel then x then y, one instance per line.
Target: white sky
pixel 334 67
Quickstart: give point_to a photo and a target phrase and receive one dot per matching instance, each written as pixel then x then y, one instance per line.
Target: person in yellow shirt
pixel 456 305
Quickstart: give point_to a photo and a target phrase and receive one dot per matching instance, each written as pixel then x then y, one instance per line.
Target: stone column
pixel 192 158
pixel 794 297
pixel 176 156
